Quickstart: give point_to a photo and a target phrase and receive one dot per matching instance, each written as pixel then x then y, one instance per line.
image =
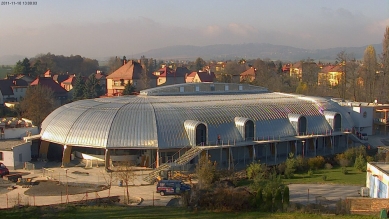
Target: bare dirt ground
pixel 4 184
pixel 54 188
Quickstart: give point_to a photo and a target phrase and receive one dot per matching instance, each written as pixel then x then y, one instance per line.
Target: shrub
pixel 290 166
pixel 206 172
pixel 278 200
pixel 254 169
pixel 328 166
pixel 285 196
pixel 310 173
pixel 344 162
pixel 324 177
pixel 369 159
pixel 316 162
pixel 281 168
pixel 344 170
pixel 360 163
pixel 302 164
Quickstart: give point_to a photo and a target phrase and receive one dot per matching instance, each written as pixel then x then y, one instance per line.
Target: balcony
pixel 381 121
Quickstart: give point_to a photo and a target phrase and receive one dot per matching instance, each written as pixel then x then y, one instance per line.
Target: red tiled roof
pixel 130 70
pixel 50 83
pixel 249 72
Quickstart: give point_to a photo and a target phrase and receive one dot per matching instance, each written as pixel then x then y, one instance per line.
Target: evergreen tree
pixel 78 88
pixel 23 67
pixel 92 87
pixel 129 89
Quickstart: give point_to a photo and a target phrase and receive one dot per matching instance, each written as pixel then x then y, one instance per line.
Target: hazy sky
pixel 126 27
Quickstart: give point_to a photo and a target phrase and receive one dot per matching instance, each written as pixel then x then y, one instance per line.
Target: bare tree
pixel 108 179
pixel 125 173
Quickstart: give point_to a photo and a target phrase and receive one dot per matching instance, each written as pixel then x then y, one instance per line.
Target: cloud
pixel 241 29
pixel 212 30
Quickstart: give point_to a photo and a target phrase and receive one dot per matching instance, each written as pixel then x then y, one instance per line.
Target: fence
pixel 29 166
pixel 88 198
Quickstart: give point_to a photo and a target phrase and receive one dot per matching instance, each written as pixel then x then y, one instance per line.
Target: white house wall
pixel 21 154
pixel 8 159
pixel 378 175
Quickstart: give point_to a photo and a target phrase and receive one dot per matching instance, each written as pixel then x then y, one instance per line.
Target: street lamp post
pixel 303 141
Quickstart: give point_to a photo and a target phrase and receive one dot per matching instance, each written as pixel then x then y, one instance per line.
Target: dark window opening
pixel 302 125
pixel 337 123
pixel 1 156
pixel 249 130
pixel 201 132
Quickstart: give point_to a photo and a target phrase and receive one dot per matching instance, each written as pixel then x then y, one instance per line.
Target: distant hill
pixel 252 51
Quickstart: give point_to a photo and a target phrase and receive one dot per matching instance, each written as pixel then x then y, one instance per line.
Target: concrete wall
pixel 359 205
pixel 362 117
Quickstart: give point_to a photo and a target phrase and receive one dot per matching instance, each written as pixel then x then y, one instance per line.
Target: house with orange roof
pixel 130 72
pixel 168 76
pixel 249 75
pixel 200 76
pixel 60 94
pixel 68 83
pixel 330 75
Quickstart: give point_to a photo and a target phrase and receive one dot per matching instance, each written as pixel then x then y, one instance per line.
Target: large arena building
pixel 173 125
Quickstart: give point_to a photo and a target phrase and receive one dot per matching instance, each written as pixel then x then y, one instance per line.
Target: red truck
pixel 3 170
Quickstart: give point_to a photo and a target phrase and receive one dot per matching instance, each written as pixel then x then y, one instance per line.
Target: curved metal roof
pixel 148 121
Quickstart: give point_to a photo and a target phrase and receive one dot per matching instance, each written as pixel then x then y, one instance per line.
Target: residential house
pixel 25 78
pixel 286 68
pixel 13 150
pixel 12 90
pixel 130 72
pixel 305 71
pixel 249 75
pixel 102 79
pixel 200 76
pixel 60 94
pixel 330 75
pixel 68 83
pixel 167 76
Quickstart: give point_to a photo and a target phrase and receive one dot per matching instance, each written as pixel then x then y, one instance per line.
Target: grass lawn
pixel 96 212
pixel 334 175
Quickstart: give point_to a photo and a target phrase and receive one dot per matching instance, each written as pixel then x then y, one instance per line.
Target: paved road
pixel 304 193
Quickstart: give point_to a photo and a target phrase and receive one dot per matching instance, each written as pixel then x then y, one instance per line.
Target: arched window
pixel 337 122
pixel 201 134
pixel 249 130
pixel 302 125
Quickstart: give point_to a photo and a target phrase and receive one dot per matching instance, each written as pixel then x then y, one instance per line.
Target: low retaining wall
pixel 362 205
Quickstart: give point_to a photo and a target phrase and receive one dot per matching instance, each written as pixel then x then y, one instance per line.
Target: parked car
pixel 172 187
pixel 3 170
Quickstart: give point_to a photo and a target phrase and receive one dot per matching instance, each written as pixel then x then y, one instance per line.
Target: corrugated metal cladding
pixel 150 121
